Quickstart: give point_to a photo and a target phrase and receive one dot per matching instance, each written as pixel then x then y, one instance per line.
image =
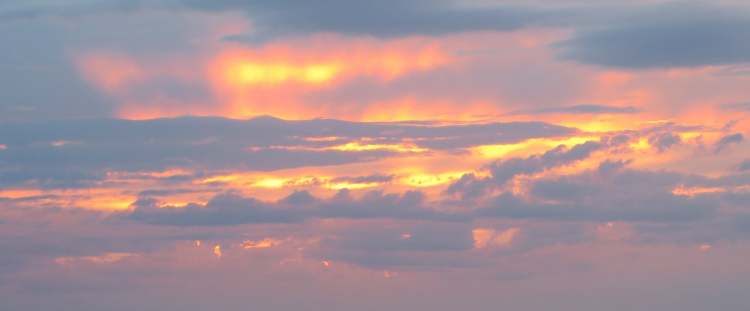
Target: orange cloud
pixel 260 244
pixel 274 80
pixel 111 72
pixel 107 258
pixel 217 251
pixel 484 238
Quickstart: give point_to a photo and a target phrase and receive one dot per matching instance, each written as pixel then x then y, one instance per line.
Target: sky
pixel 374 155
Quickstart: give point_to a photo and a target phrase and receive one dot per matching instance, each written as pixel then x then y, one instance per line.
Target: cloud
pixel 371 237
pixel 376 204
pixel 231 209
pixel 386 19
pixel 626 195
pixel 744 165
pixel 39 80
pixel 578 109
pixel 470 186
pixel 664 141
pixel 364 179
pixel 728 140
pixel 36 156
pixel 665 36
pixel 221 210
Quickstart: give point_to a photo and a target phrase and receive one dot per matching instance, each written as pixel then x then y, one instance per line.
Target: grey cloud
pixel 469 186
pixel 231 209
pixel 743 223
pixel 612 166
pixel 15 10
pixel 390 18
pixel 728 140
pixel 742 107
pixel 401 245
pixel 38 80
pixel 506 170
pixel 627 195
pixel 665 36
pixel 86 149
pixel 39 234
pixel 222 210
pixel 744 165
pixel 664 141
pixel 608 193
pixel 376 204
pixel 404 237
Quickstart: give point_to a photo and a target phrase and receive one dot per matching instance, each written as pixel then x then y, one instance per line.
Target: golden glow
pixel 260 244
pixel 113 203
pixel 484 238
pixel 357 146
pixel 529 146
pixel 273 183
pixel 273 79
pixel 351 186
pixel 599 126
pixel 248 73
pixel 641 144
pixel 102 199
pixel 107 258
pixel 259 181
pixel 221 179
pixel 687 136
pixel 695 191
pixel 217 251
pixel 430 180
pixel 280 182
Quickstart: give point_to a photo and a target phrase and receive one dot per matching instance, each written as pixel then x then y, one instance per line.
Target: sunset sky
pixel 434 155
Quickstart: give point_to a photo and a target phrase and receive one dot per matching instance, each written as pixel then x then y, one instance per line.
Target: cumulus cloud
pixel 470 186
